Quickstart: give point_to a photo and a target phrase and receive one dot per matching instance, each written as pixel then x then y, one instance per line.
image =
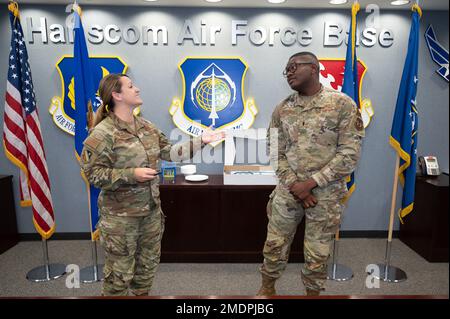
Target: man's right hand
pixel 144 174
pixel 302 189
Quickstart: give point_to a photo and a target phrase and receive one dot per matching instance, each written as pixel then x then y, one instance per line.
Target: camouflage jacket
pixel 111 153
pixel 315 136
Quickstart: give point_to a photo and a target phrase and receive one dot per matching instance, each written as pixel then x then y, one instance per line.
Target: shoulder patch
pixel 92 142
pixel 86 155
pixel 359 125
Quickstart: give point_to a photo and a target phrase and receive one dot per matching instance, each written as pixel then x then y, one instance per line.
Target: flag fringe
pixel 403 155
pixel 43 233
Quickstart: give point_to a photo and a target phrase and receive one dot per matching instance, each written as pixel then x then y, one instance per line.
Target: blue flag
pixel 85 103
pixel 405 123
pixel 350 84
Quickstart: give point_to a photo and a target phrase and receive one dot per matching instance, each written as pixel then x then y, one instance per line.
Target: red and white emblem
pixel 332 76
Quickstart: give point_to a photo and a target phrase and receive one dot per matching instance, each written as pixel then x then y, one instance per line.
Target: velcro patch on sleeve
pixel 94 144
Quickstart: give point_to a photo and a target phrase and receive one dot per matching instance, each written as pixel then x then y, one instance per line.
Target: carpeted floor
pixel 424 278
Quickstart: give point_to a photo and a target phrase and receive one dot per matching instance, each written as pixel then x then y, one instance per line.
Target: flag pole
pixel 47 271
pixel 28 167
pixel 386 271
pixel 337 271
pixel 92 273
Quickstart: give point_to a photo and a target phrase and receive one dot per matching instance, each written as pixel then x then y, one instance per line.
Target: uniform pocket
pixel 107 271
pixel 334 215
pixel 115 245
pixel 163 223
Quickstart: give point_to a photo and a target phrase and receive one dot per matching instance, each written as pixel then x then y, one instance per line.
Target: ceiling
pixel 310 4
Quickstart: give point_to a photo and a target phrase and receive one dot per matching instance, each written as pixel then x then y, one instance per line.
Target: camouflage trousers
pixel 132 252
pixel 321 224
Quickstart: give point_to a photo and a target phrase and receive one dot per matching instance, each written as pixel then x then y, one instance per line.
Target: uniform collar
pixel 122 125
pixel 307 101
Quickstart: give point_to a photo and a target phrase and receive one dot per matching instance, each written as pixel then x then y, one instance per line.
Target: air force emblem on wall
pixel 213 94
pixel 62 108
pixel 438 53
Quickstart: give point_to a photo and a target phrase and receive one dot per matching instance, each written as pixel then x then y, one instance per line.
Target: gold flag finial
pixel 13 6
pixel 355 7
pixel 417 8
pixel 77 8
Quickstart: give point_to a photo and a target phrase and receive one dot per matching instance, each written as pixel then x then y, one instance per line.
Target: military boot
pixel 139 293
pixel 267 287
pixel 312 292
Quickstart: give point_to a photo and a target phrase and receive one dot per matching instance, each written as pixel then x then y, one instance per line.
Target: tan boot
pixel 138 293
pixel 267 287
pixel 312 292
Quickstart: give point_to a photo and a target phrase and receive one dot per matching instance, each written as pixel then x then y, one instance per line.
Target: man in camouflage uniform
pixel 315 139
pixel 131 220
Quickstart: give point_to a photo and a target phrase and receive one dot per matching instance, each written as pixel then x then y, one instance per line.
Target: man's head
pixel 302 71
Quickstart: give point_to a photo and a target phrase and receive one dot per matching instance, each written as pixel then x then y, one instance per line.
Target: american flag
pixel 22 138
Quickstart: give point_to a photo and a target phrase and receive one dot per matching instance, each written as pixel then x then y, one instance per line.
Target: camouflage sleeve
pixel 178 152
pixel 97 163
pixel 351 132
pixel 276 143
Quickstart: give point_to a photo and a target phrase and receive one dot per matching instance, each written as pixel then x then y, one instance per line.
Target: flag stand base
pixel 339 272
pixel 390 274
pixel 48 271
pixel 40 273
pixel 386 271
pixel 91 274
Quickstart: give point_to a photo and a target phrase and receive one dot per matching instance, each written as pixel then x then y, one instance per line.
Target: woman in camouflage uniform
pixel 120 157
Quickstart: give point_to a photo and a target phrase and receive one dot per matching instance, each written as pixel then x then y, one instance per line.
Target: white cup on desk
pixel 188 169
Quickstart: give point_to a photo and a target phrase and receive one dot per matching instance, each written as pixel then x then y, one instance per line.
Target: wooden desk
pixel 8 225
pixel 212 222
pixel 426 228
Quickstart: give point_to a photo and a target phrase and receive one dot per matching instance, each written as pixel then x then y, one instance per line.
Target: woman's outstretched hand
pixel 209 135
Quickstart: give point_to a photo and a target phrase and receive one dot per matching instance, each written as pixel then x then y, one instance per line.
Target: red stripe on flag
pixel 36 189
pixel 15 129
pixel 42 223
pixel 16 153
pixel 39 164
pixel 14 104
pixel 37 132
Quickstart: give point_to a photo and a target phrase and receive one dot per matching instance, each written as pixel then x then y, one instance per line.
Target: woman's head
pixel 109 84
pixel 116 89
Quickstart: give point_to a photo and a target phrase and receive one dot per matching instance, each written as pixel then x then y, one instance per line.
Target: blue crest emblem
pixel 62 107
pixel 212 95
